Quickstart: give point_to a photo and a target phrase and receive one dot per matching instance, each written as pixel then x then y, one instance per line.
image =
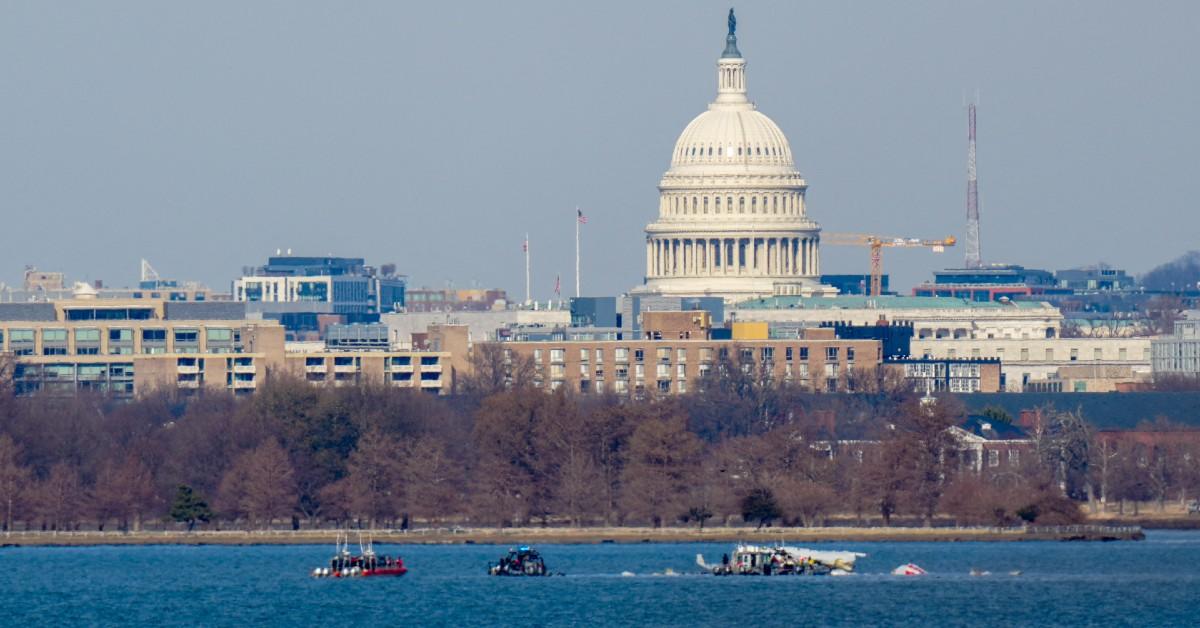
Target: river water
pixel 1152 582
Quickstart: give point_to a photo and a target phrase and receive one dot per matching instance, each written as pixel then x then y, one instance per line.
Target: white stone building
pixel 732 219
pixel 1179 353
pixel 1038 362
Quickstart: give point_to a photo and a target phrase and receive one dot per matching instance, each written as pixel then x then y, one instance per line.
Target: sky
pixel 204 136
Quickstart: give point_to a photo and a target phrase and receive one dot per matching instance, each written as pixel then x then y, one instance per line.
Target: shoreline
pixel 551 536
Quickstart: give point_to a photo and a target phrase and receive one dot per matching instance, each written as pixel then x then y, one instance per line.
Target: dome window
pixel 718 151
pixel 757 150
pixel 718 205
pixel 739 151
pixel 753 204
pixel 741 204
pixel 710 151
pixel 729 205
pixel 706 204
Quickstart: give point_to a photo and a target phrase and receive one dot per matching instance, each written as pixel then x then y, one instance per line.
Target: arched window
pixel 706 204
pixel 753 204
pixel 729 205
pixel 775 204
pixel 710 151
pixel 717 205
pixel 739 151
pixel 741 204
pixel 695 204
pixel 718 151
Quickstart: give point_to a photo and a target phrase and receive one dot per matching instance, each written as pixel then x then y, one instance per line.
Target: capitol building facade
pixel 732 219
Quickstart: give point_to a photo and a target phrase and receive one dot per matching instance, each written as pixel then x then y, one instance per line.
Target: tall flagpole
pixel 528 298
pixel 578 221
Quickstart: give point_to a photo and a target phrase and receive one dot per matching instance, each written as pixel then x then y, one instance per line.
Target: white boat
pixel 781 560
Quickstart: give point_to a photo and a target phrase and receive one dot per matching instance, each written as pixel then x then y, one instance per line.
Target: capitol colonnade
pixel 732 255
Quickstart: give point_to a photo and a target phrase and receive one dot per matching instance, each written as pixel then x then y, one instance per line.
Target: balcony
pixel 189 369
pixel 345 368
pixel 245 368
pixel 315 368
pixel 244 384
pixel 431 383
pixel 191 383
pixel 431 368
pixel 401 368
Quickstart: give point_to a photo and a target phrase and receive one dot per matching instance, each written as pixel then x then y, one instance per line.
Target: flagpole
pixel 578 221
pixel 527 289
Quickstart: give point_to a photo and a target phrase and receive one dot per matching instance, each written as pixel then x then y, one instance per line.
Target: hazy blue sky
pixel 203 136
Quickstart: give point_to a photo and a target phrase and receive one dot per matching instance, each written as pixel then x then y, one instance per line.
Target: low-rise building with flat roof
pixel 930 317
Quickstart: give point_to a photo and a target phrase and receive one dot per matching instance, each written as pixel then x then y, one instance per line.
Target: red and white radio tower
pixel 973 259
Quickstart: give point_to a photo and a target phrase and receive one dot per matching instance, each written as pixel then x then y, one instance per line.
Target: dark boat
pixel 522 561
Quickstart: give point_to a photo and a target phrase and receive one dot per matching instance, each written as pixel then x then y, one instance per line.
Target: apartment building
pixel 125 346
pixel 427 371
pixel 671 365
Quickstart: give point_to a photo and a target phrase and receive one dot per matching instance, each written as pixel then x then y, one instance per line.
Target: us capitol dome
pixel 732 221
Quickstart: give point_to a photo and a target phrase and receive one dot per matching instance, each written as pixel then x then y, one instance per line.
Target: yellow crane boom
pixel 876 244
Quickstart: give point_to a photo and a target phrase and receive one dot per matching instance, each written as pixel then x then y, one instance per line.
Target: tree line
pixel 740 449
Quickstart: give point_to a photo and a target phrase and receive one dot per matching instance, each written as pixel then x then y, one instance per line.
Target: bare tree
pixel 433 478
pixel 663 459
pixel 14 478
pixel 123 491
pixel 60 496
pixel 261 484
pixel 376 480
pixel 494 369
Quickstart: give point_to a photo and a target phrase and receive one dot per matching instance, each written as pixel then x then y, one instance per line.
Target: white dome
pixel 731 216
pixel 729 135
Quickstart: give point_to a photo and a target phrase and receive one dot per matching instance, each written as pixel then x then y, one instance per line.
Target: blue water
pixel 1154 582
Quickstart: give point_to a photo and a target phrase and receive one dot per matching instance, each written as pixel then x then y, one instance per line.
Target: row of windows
pixel 765 204
pixel 732 150
pixel 1025 355
pixel 152 334
pixel 706 354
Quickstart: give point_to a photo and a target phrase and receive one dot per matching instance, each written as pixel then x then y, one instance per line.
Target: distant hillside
pixel 1178 274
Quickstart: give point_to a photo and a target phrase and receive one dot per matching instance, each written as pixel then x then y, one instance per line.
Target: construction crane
pixel 876 244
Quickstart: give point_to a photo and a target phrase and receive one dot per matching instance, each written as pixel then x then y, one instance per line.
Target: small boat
pixel 521 561
pixel 908 569
pixel 366 563
pixel 781 560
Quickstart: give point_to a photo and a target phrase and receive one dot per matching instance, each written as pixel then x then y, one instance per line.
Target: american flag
pixel 557 285
pixel 582 218
pixel 525 246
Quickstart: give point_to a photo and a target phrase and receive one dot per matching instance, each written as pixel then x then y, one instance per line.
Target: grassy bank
pixel 510 536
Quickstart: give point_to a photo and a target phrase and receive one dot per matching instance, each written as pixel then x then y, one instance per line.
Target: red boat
pixel 367 563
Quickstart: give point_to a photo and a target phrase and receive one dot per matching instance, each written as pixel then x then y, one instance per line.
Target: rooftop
pixel 860 302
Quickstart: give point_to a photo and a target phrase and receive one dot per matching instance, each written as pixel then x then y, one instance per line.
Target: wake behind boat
pixel 366 563
pixel 781 560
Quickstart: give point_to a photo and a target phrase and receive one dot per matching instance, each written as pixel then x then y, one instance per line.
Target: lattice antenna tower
pixel 973 256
